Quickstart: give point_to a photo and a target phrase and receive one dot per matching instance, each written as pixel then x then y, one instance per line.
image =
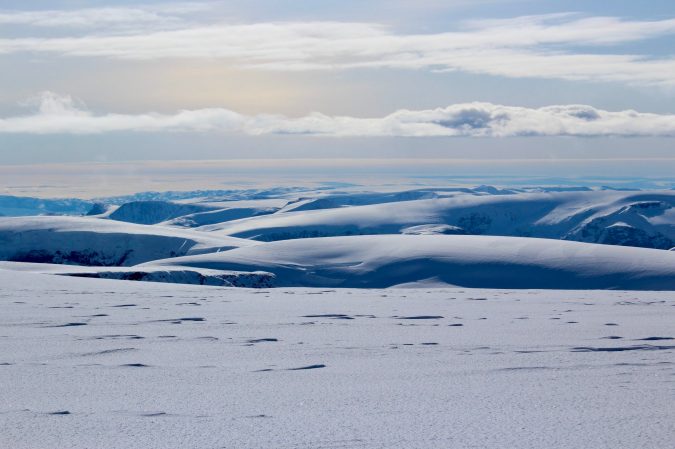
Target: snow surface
pixel 91 363
pixel 468 261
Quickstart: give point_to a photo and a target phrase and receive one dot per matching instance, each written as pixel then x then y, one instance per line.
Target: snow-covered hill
pixel 467 261
pixel 645 219
pixel 335 200
pixel 221 212
pixel 615 217
pixel 153 212
pixel 481 237
pixel 97 242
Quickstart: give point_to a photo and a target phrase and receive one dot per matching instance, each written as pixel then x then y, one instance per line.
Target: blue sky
pixel 494 79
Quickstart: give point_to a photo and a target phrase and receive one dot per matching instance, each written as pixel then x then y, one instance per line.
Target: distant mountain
pixel 644 219
pixel 534 237
pixel 19 206
pixel 210 195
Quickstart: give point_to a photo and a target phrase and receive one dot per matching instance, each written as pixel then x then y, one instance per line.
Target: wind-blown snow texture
pixel 90 363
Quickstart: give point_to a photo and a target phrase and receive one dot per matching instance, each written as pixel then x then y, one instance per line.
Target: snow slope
pixel 221 214
pixel 332 200
pixel 93 241
pixel 91 363
pixel 644 219
pixel 153 212
pixel 190 213
pixel 467 261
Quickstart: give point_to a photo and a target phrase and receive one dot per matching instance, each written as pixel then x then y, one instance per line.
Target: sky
pixel 490 81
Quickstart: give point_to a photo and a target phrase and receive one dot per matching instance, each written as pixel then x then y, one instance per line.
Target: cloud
pixel 546 46
pixel 59 114
pixel 105 17
pixel 62 115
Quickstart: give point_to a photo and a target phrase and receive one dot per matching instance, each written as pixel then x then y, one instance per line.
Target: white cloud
pixel 548 46
pixel 61 115
pixel 106 17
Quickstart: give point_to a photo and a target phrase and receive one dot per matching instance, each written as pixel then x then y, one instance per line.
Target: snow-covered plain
pixel 93 363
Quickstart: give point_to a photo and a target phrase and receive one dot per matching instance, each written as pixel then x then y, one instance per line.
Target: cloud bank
pixel 560 46
pixel 57 114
